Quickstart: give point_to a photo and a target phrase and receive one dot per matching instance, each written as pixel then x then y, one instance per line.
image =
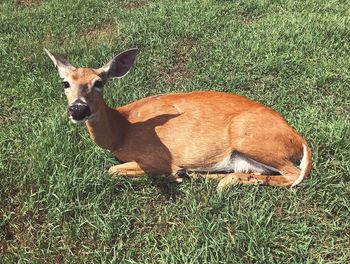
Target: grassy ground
pixel 57 203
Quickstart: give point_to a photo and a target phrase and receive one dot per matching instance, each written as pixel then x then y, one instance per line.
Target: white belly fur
pixel 238 163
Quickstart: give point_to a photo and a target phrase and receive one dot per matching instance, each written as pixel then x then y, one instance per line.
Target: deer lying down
pixel 221 135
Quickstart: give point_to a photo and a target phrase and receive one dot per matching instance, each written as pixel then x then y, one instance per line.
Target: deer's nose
pixel 79 110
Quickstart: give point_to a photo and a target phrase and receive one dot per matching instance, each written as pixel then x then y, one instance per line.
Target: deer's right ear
pixel 63 66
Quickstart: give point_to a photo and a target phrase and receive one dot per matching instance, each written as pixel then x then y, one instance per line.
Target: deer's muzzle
pixel 78 111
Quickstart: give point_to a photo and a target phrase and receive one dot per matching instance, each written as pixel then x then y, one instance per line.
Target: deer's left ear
pixel 63 66
pixel 120 65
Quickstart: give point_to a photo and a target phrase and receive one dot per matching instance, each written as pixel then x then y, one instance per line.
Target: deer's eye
pixel 98 85
pixel 66 85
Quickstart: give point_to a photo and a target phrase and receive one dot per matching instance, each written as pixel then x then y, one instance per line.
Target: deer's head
pixel 83 86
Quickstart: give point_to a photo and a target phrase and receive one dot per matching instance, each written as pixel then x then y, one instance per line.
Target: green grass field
pixel 57 202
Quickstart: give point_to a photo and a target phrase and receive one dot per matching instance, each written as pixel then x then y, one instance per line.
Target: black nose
pixel 79 111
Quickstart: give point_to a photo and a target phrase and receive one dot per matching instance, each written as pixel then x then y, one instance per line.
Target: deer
pixel 219 135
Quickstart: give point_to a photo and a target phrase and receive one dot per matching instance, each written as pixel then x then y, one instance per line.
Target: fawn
pixel 215 134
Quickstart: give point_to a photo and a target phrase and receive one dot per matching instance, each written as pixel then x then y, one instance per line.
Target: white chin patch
pixel 78 121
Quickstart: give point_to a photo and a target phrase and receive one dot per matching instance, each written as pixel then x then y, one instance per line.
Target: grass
pixel 57 203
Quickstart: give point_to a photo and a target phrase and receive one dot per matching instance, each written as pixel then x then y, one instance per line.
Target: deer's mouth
pixel 78 121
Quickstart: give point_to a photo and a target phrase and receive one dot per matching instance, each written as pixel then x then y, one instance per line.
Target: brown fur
pixel 172 133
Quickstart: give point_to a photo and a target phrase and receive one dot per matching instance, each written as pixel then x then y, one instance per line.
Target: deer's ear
pixel 120 65
pixel 63 66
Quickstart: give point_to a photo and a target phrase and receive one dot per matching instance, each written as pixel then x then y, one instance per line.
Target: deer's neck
pixel 107 127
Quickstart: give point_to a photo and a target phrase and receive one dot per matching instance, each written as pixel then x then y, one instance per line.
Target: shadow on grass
pixel 169 189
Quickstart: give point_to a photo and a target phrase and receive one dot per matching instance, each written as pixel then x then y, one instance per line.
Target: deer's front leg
pixel 130 169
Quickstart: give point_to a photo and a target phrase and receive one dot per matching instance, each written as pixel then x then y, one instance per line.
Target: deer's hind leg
pixel 228 179
pixel 130 169
pixel 241 169
pixel 289 173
